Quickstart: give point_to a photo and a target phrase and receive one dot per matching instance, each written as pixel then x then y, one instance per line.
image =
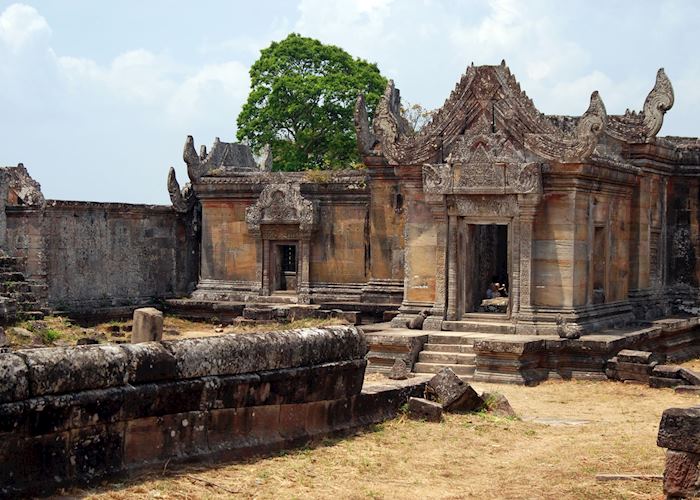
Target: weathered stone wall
pixel 87 412
pixel 100 255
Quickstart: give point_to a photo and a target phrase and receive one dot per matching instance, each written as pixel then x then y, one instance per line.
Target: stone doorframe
pixel 482 193
pixel 515 211
pixel 283 214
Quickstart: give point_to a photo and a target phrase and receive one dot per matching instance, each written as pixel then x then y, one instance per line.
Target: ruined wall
pixel 683 243
pixel 98 255
pixel 90 412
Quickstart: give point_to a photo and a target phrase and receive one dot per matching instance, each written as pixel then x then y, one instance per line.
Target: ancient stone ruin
pixel 499 242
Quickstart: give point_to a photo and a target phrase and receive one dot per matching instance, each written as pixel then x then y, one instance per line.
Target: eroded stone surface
pixel 399 371
pixel 423 409
pixel 14 384
pixel 453 393
pixel 148 325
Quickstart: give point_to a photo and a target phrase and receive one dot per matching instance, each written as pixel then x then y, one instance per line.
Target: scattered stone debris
pixel 497 404
pixel 416 323
pixel 687 389
pixel 399 371
pixel 423 409
pixel 87 341
pixel 565 330
pixel 679 432
pixel 23 334
pixel 453 393
pixel 148 325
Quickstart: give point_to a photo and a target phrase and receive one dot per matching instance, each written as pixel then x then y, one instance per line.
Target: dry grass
pixel 62 331
pixel 467 456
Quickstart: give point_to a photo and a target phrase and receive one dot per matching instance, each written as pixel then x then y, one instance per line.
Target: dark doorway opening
pixel 285 275
pixel 485 268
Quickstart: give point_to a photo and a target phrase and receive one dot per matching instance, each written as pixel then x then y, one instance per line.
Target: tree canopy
pixel 302 100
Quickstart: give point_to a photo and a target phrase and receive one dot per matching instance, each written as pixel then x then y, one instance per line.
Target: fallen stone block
pixel 3 338
pixel 639 357
pixel 689 376
pixel 148 325
pixel 663 382
pixel 498 405
pixel 680 430
pixel 666 371
pixel 422 409
pixel 687 389
pixel 453 393
pixel 399 371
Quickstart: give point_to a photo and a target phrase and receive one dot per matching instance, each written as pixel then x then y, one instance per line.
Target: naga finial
pixel 659 100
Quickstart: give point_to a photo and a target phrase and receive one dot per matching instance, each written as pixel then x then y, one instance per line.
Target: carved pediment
pixel 281 204
pixel 483 92
pixel 483 163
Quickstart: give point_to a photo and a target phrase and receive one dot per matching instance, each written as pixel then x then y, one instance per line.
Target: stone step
pixel 461 370
pixel 476 326
pixel 460 348
pixel 14 287
pixel 11 276
pixel 25 315
pixel 277 299
pixel 453 338
pixel 447 357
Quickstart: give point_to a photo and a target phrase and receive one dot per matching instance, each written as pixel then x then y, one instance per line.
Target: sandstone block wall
pixel 98 255
pixel 89 412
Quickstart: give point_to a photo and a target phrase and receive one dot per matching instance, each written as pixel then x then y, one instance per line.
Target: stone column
pixel 266 267
pixel 452 288
pixel 528 209
pixel 304 286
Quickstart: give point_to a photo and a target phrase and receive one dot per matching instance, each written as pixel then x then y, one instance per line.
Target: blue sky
pixel 97 97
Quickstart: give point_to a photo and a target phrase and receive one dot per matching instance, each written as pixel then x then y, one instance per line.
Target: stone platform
pixel 530 359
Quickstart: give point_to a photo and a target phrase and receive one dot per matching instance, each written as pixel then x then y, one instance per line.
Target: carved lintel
pixel 282 204
pixel 484 206
pixel 575 147
pixel 659 100
pixel 182 200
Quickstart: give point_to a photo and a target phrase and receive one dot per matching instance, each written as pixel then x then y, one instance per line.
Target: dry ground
pixel 61 331
pixel 599 427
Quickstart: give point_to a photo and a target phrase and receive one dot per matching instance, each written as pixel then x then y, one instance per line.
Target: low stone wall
pixel 679 432
pixel 529 360
pixel 74 415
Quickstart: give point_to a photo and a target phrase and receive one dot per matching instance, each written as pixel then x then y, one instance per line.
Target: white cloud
pixel 21 25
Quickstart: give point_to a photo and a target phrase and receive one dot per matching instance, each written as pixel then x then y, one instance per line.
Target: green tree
pixel 302 101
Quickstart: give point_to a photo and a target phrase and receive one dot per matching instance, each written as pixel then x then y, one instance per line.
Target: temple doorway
pixel 484 269
pixel 284 275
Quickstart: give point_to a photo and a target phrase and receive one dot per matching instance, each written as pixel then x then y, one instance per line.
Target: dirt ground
pixel 54 331
pixel 566 434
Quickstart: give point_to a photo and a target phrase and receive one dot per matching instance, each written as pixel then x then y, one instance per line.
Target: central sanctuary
pixel 493 217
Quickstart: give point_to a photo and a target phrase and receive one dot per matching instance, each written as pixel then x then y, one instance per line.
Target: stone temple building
pixel 585 222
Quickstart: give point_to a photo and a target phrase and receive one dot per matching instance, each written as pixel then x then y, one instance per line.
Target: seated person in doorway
pixel 496 289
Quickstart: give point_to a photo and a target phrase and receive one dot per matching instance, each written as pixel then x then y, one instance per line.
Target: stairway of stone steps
pixel 25 298
pixel 454 350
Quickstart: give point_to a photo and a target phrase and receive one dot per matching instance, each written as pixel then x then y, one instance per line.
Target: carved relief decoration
pixel 483 206
pixel 281 204
pixel 641 126
pixel 483 163
pixel 483 92
pixel 572 147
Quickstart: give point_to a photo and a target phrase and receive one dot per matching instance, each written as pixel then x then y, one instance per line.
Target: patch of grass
pixel 49 336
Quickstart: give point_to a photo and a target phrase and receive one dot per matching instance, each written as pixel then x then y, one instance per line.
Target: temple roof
pixel 492 94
